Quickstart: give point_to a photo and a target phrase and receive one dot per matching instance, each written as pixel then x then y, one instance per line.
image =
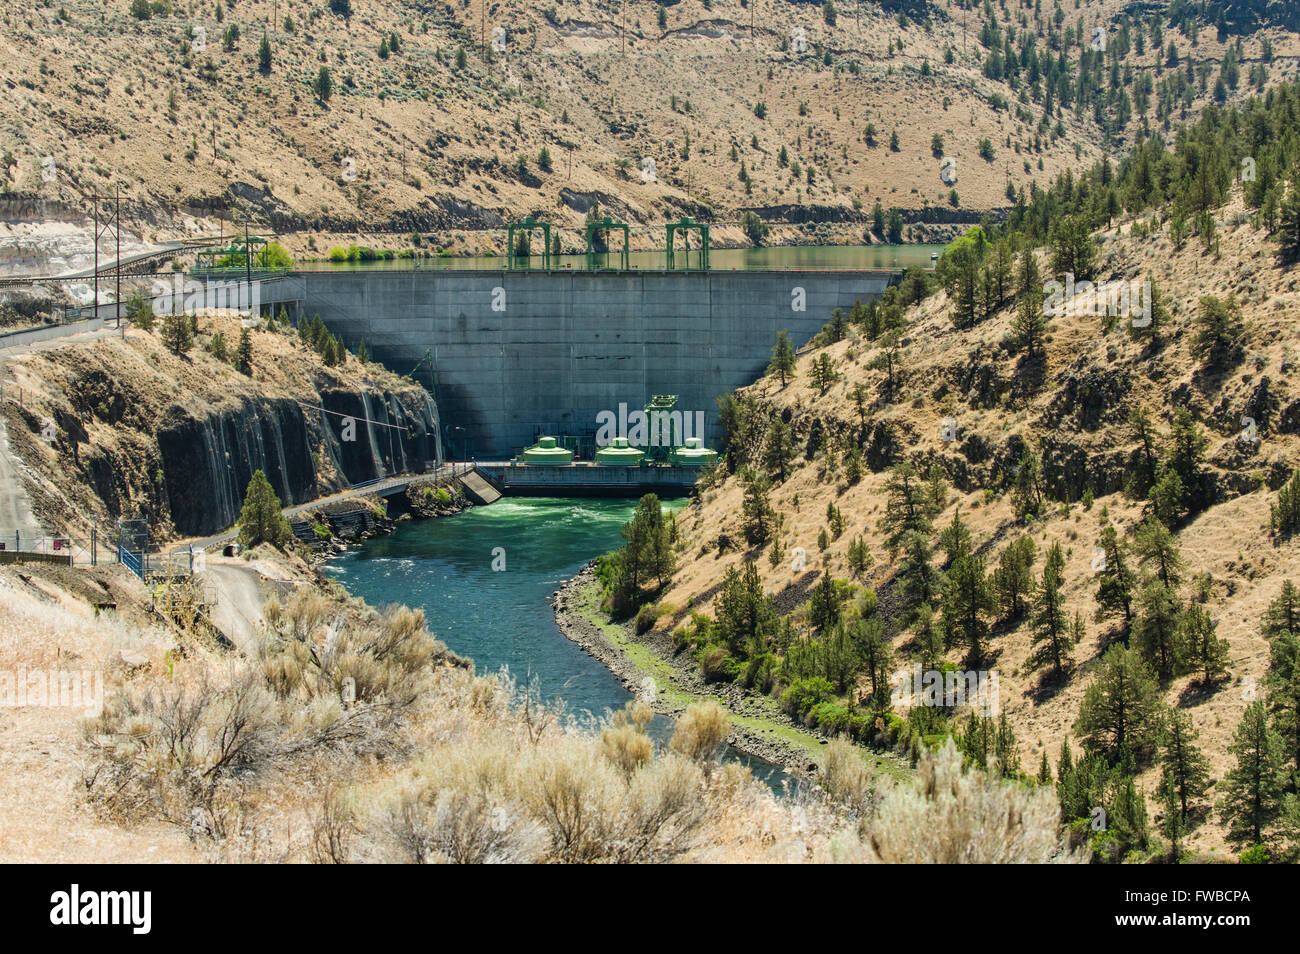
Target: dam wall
pixel 518 353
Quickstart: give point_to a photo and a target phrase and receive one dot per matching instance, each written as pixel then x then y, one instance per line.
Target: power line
pixel 363 420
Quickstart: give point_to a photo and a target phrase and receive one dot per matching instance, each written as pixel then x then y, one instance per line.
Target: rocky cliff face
pixel 140 432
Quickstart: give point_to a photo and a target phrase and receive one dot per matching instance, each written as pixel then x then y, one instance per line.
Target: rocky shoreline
pixel 578 628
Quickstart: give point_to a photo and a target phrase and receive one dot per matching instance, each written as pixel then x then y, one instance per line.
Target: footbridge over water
pixel 513 354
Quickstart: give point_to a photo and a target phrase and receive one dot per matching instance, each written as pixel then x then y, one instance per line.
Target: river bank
pixel 759 727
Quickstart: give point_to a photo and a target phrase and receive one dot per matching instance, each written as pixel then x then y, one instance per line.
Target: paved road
pixel 15 507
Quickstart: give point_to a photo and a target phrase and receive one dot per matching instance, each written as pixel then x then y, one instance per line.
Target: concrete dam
pixel 515 354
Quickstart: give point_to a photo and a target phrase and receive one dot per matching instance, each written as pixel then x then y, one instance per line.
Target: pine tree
pixel 264 55
pixel 779 449
pixel 919 582
pixel 907 509
pixel 1044 770
pixel 1115 587
pixel 1158 632
pixel 967 597
pixel 177 332
pixel 783 357
pixel 1219 331
pixel 1282 618
pixel 823 372
pixel 1285 517
pixel 874 653
pixel 758 515
pixel 1029 325
pixel 323 85
pixel 140 313
pixel 362 354
pixel 244 355
pixel 1013 579
pixel 1119 718
pixel 1157 548
pixel 1253 790
pixel 1144 474
pixel 1207 652
pixel 1185 772
pixel 955 539
pixel 260 520
pixel 1052 635
pixel 859 557
pixel 1028 491
pixel 745 615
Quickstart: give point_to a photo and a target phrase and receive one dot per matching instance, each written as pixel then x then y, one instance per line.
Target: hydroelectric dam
pixel 513 354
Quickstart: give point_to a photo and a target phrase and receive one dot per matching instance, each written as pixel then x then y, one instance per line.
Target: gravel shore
pixel 576 626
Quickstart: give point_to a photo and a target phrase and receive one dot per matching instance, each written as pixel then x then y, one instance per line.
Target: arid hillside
pixel 797 110
pixel 124 426
pixel 971 402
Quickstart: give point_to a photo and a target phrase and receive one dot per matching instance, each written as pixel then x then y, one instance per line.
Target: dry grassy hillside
pixel 120 409
pixel 1076 417
pixel 188 130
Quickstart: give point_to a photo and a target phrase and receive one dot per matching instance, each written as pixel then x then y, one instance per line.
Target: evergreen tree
pixel 1119 719
pixel 140 312
pixel 908 509
pixel 264 55
pixel 1207 652
pixel 260 520
pixel 1028 493
pixel 1117 579
pixel 825 606
pixel 1282 618
pixel 1156 548
pixel 244 355
pixel 1030 324
pixel 177 332
pixel 745 615
pixel 1219 331
pixel 783 357
pixel 323 85
pixel 1144 474
pixel 1013 579
pixel 1285 516
pixel 1253 790
pixel 955 539
pixel 967 597
pixel 873 651
pixel 759 517
pixel 779 450
pixel 1185 772
pixel 1158 632
pixel 1052 635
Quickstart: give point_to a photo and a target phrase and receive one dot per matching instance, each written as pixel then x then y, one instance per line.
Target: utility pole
pixel 117 234
pixel 95 303
pixel 248 259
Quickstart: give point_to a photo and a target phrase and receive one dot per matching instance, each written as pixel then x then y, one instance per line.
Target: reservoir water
pixel 502 617
pixel 720 259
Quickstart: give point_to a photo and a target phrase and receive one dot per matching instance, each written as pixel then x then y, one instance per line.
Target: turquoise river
pixel 503 617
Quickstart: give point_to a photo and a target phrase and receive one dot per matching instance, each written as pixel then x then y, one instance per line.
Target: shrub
pixel 700 732
pixel 802 694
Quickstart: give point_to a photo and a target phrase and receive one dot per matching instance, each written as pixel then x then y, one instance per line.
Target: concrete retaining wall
pixel 516 354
